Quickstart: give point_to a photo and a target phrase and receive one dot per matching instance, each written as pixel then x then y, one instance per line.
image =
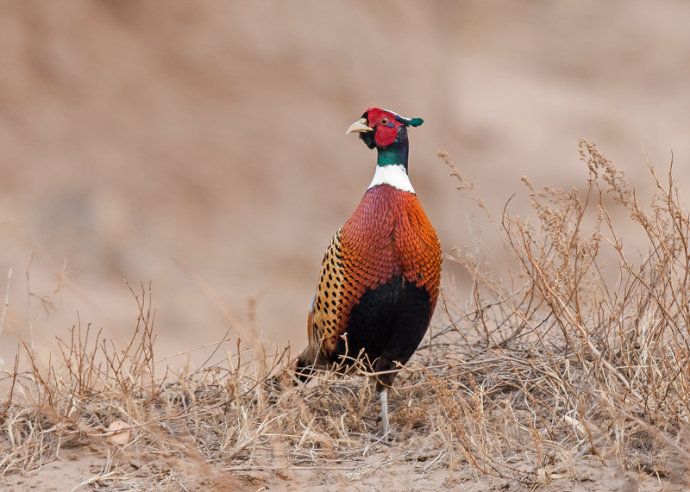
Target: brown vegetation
pixel 565 368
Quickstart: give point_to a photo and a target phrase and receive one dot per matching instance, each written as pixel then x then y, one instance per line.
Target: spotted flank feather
pixel 332 295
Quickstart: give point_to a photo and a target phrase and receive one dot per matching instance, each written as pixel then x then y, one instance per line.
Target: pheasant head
pixel 387 132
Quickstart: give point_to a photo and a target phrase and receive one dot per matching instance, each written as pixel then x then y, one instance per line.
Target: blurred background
pixel 201 146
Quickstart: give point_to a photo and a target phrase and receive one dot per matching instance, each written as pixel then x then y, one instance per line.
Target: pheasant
pixel 380 276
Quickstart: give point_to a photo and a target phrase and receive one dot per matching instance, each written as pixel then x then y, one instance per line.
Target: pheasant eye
pixel 384 121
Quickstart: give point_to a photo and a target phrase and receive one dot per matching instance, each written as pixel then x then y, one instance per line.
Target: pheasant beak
pixel 359 126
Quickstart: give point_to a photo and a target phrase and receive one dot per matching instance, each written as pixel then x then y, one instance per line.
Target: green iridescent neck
pixel 394 154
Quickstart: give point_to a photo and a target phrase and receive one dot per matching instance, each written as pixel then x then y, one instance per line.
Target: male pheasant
pixel 380 275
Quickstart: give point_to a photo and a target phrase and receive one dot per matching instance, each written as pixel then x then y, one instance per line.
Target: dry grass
pixel 582 356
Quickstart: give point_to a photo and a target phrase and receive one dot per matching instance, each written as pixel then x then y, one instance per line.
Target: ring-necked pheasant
pixel 380 275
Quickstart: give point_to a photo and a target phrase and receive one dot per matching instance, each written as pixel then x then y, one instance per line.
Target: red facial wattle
pixel 385 135
pixel 385 125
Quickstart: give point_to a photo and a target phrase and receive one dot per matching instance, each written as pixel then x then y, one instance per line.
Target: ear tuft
pixel 409 121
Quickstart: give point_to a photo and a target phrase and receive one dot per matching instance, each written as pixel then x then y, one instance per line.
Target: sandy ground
pixel 384 469
pixel 200 147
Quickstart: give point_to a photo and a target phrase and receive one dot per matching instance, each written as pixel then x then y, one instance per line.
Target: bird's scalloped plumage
pixel 388 236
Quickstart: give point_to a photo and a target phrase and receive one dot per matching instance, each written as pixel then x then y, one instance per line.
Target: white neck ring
pixel 393 175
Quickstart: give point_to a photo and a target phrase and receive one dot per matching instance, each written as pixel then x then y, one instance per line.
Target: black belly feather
pixel 387 324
